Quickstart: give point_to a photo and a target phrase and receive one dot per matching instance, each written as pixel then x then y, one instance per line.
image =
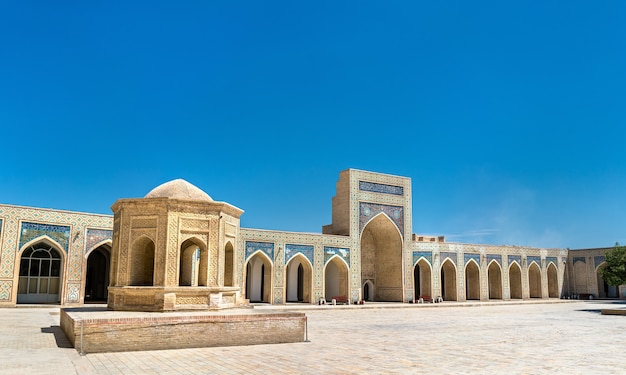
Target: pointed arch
pixel 604 289
pixel 368 291
pixel 534 280
pixel 448 280
pixel 336 278
pixel 258 277
pixel 553 281
pixel 381 258
pixel 142 262
pixel 41 271
pixel 422 279
pixel 299 279
pixel 229 264
pixel 580 277
pixel 472 280
pixel 97 269
pixel 108 243
pixel 515 280
pixel 494 277
pixel 193 263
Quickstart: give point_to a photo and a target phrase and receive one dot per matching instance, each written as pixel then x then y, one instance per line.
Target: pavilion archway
pixel 335 278
pixel 422 279
pixel 142 262
pixel 534 280
pixel 381 258
pixel 229 265
pixel 515 280
pixel 259 278
pixel 299 279
pixel 193 270
pixel 448 281
pixel 494 277
pixel 472 280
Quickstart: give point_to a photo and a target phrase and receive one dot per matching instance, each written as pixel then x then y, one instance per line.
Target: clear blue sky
pixel 509 117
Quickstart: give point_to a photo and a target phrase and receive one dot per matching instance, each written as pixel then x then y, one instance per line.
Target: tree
pixel 615 271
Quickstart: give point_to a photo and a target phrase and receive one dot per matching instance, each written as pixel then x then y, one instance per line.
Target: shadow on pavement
pixel 59 336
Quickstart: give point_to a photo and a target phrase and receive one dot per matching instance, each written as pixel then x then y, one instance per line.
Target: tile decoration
pixel 330 252
pixel 448 255
pixel 579 259
pixel 369 210
pixel 515 258
pixel 467 258
pixel 59 233
pixel 95 236
pixel 535 259
pixel 552 260
pixel 428 255
pixel 5 290
pixel 597 260
pixel 306 250
pixel 496 257
pixel 380 188
pixel 266 247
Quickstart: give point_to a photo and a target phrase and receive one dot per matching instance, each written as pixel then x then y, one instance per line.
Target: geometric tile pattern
pixel 535 259
pixel 306 250
pixel 380 188
pixel 597 260
pixel 516 258
pixel 59 233
pixel 5 290
pixel 265 247
pixel 428 255
pixel 475 257
pixel 452 256
pixel 552 260
pixel 330 252
pixel 369 210
pixel 496 257
pixel 95 236
pixel 579 259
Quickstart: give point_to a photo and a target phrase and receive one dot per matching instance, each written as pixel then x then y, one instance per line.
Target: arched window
pixel 40 275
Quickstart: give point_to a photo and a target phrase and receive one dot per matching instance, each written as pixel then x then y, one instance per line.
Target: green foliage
pixel 615 271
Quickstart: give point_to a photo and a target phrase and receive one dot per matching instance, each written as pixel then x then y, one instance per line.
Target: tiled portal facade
pixel 368 253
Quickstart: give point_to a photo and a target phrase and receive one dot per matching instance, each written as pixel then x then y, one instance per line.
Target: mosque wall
pixel 367 253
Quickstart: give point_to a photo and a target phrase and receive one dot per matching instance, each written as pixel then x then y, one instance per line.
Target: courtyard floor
pixel 535 337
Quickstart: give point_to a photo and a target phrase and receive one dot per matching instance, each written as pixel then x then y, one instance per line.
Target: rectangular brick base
pixel 96 330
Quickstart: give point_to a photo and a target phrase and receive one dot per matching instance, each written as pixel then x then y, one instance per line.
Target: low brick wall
pixel 94 332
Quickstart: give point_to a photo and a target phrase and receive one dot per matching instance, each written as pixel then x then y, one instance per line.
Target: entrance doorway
pixel 97 275
pixel 40 274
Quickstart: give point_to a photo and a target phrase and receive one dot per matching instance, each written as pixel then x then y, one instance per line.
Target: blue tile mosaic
pixel 579 259
pixel 467 258
pixel 59 233
pixel 515 258
pixel 535 259
pixel 380 188
pixel 368 210
pixel 597 260
pixel 306 250
pixel 452 256
pixel 428 255
pixel 0 226
pixel 266 247
pixel 496 257
pixel 552 260
pixel 96 236
pixel 330 252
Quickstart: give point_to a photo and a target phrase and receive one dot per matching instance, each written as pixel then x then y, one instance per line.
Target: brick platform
pixel 96 330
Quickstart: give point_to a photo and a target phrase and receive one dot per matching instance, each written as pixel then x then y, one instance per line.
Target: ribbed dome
pixel 179 189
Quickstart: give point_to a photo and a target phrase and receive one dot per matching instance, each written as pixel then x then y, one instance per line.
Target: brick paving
pixel 451 338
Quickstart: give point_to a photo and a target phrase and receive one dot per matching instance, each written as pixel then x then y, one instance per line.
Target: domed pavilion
pixel 174 249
